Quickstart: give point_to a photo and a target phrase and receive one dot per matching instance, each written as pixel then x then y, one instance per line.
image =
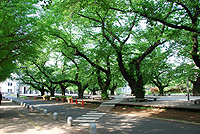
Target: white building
pixel 126 90
pixel 11 87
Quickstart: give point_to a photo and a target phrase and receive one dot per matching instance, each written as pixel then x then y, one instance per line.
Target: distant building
pixel 11 87
pixel 126 90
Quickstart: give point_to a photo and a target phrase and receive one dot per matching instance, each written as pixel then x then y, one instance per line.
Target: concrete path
pixel 108 105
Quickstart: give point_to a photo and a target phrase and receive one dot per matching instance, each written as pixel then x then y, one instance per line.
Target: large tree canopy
pixel 121 32
pixel 96 41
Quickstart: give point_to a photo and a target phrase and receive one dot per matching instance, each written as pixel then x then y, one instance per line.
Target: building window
pixel 24 90
pixel 9 90
pixel 9 84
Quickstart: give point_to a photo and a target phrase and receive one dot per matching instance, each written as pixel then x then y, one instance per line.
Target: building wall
pixel 8 86
pixel 11 87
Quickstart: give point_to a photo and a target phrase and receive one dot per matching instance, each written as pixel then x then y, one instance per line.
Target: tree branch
pixel 160 20
pixel 89 18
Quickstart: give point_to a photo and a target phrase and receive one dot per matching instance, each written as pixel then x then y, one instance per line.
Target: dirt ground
pixel 190 116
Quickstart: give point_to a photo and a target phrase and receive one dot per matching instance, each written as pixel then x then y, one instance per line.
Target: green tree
pixel 184 17
pixel 79 44
pixel 111 21
pixel 158 71
pixel 37 83
pixel 18 30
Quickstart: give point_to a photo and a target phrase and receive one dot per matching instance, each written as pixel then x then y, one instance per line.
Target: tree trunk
pixel 103 88
pixel 134 80
pixel 94 91
pixel 161 89
pixel 42 92
pixel 52 92
pixel 62 89
pixel 113 89
pixel 80 93
pixel 196 86
pixel 137 88
pixel 104 94
pixel 112 92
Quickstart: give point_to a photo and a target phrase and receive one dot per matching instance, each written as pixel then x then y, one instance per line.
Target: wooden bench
pixel 197 101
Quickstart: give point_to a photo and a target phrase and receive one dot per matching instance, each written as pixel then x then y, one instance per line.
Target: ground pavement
pixel 22 120
pixel 17 119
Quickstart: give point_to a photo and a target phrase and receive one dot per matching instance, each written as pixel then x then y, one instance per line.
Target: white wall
pixel 8 86
pixel 11 87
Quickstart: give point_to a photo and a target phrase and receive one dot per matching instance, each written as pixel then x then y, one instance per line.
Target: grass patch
pixel 145 108
pixel 137 107
pixel 24 97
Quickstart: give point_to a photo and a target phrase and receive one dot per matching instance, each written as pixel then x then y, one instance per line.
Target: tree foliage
pixel 18 33
pixel 94 43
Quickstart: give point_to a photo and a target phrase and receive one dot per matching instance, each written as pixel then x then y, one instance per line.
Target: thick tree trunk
pixel 81 90
pixel 104 86
pixel 62 89
pixel 52 92
pixel 136 84
pixel 195 50
pixel 137 88
pixel 80 93
pixel 161 90
pixel 196 86
pixel 42 92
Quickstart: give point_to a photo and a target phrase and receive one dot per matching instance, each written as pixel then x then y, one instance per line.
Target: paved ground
pixel 16 119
